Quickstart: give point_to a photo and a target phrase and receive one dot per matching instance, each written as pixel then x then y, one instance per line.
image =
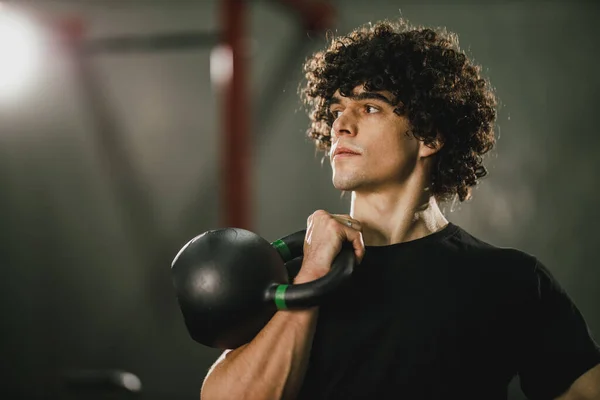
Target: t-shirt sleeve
pixel 558 347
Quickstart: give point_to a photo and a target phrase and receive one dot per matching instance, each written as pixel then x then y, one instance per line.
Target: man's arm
pixel 586 387
pixel 271 366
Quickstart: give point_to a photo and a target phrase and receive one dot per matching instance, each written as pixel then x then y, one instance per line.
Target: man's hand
pixel 325 234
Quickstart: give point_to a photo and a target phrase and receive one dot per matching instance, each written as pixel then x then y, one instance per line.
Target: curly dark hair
pixel 436 87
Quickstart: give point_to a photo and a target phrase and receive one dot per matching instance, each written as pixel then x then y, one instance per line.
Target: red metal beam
pixel 236 164
pixel 236 161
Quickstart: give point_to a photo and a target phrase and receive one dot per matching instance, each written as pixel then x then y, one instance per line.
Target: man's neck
pixel 396 215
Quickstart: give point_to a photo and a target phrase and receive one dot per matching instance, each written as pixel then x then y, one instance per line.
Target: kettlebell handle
pixel 309 294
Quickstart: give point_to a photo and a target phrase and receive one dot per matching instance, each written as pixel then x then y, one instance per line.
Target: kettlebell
pixel 230 282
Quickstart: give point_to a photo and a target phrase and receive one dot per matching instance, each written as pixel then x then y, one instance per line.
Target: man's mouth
pixel 344 152
pixel 345 155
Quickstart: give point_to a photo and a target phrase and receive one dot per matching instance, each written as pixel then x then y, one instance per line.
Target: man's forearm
pixel 271 366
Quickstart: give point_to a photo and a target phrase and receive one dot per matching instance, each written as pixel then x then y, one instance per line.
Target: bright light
pixel 19 52
pixel 221 65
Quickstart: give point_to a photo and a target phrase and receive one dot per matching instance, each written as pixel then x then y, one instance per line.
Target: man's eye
pixel 371 109
pixel 335 113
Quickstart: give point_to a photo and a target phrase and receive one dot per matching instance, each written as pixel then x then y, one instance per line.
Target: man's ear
pixel 427 150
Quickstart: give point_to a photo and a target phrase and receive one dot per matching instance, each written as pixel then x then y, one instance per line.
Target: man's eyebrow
pixel 362 96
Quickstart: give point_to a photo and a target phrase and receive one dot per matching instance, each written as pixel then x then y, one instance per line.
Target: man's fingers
pixel 348 221
pixel 353 232
pixel 358 244
pixel 354 236
pixel 347 228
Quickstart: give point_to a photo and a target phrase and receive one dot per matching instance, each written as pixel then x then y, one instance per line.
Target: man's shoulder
pixel 477 251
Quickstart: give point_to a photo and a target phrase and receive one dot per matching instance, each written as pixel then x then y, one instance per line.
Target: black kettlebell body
pixel 229 283
pixel 220 281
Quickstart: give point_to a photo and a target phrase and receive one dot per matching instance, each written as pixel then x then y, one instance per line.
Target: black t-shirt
pixel 447 317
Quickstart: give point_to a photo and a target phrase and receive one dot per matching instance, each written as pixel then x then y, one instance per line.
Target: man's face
pixel 365 123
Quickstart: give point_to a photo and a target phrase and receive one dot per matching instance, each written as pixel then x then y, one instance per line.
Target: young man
pixel 430 312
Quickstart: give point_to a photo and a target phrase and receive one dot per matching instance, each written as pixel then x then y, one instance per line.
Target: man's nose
pixel 344 125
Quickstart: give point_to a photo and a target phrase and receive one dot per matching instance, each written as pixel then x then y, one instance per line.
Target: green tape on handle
pixel 283 250
pixel 280 297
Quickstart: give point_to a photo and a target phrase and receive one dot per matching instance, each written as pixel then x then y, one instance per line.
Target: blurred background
pixel 114 119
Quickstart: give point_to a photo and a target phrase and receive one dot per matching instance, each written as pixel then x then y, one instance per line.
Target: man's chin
pixel 345 186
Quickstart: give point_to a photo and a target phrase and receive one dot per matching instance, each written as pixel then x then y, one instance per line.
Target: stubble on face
pixel 389 164
pixel 380 136
pixel 349 180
